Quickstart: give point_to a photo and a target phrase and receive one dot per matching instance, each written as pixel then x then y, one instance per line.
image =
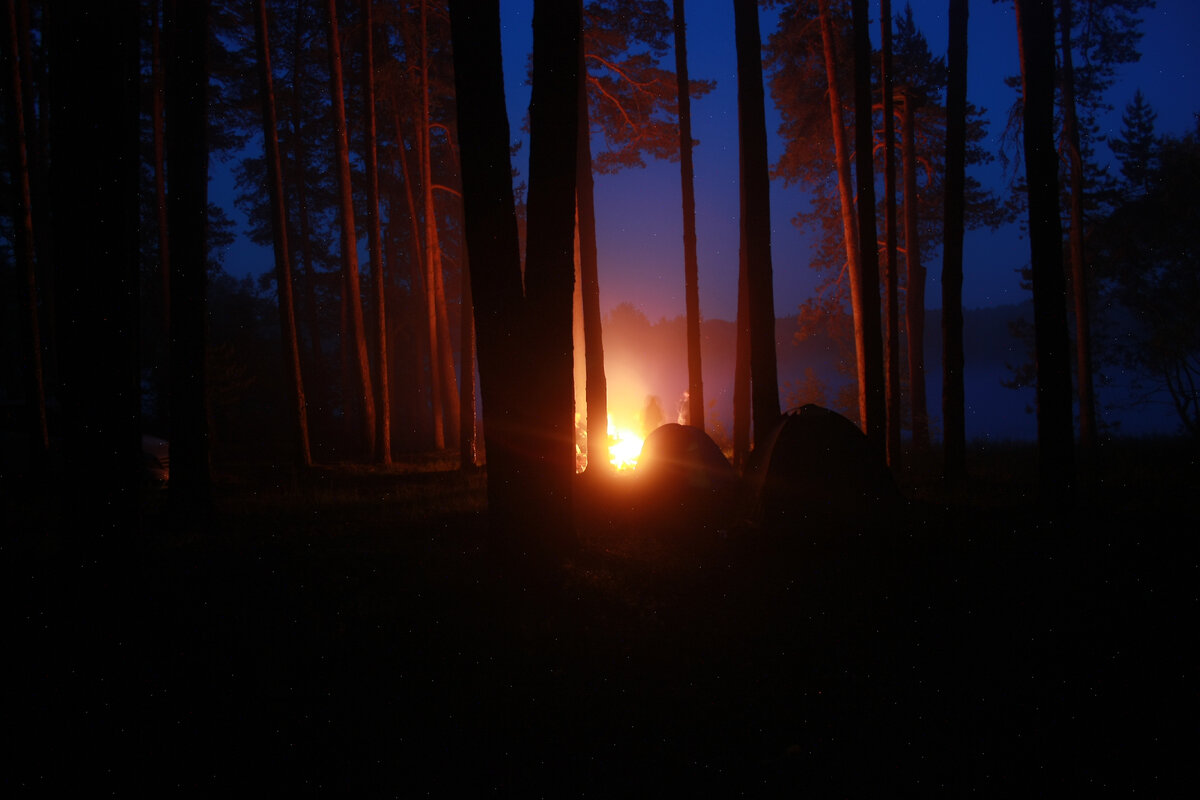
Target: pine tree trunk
pixel 873 425
pixel 891 271
pixel 741 362
pixel 23 239
pixel 687 181
pixel 846 194
pixel 953 396
pixel 595 380
pixel 1080 281
pixel 298 411
pixel 914 278
pixel 187 207
pixel 467 440
pixel 764 382
pixel 383 404
pixel 359 394
pixel 1056 447
pixel 299 160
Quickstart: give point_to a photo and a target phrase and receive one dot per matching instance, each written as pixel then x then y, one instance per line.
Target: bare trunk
pixel 283 262
pixel 953 398
pixel 1080 282
pixel 1056 446
pixel 383 404
pixel 595 380
pixel 741 363
pixel 914 306
pixel 874 422
pixel 432 251
pixel 687 182
pixel 764 382
pixel 23 241
pixel 358 388
pixel 846 194
pixel 891 273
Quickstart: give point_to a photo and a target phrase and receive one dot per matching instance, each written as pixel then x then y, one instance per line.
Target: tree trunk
pixel 953 396
pixel 23 240
pixel 595 380
pixel 549 261
pixel 873 425
pixel 187 207
pixel 359 394
pixel 383 404
pixel 741 362
pixel 914 306
pixel 1080 281
pixel 300 159
pixel 1056 447
pixel 525 370
pixel 467 446
pixel 687 182
pixel 846 194
pixel 298 411
pixel 891 272
pixel 752 129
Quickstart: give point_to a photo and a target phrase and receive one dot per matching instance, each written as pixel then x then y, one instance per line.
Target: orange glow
pixel 624 447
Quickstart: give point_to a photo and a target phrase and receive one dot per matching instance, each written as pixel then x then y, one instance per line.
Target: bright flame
pixel 624 447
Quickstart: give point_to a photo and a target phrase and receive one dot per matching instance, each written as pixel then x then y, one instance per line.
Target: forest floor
pixel 349 630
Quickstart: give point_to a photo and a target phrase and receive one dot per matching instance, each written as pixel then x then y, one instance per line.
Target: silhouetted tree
pixel 953 397
pixel 756 217
pixel 687 183
pixel 864 172
pixel 891 276
pixel 297 405
pixel 1136 148
pixel 1056 448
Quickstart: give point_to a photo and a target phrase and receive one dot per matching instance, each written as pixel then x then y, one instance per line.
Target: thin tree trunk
pixel 383 405
pixel 432 250
pixel 1056 446
pixel 300 159
pixel 1080 281
pixel 873 425
pixel 160 171
pixel 359 394
pixel 187 154
pixel 467 446
pixel 23 239
pixel 283 261
pixel 891 272
pixel 953 397
pixel 687 182
pixel 914 307
pixel 595 380
pixel 741 363
pixel 846 194
pixel 764 381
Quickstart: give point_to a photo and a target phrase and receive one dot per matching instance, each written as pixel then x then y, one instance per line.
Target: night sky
pixel 638 211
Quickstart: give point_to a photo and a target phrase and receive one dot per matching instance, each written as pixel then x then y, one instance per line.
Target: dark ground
pixel 349 631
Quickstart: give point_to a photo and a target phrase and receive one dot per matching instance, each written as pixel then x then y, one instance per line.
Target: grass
pixel 349 630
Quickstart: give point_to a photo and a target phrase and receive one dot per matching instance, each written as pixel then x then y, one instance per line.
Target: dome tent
pixel 817 467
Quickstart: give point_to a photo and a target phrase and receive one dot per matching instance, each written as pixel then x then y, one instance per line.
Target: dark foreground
pixel 351 632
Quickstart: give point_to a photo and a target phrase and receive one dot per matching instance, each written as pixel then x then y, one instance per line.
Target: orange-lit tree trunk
pixel 914 279
pixel 864 172
pixel 687 183
pixel 23 237
pixel 846 194
pixel 752 129
pixel 953 397
pixel 1056 445
pixel 297 411
pixel 595 381
pixel 383 404
pixel 891 276
pixel 359 394
pixel 467 440
pixel 1080 281
pixel 446 393
pixel 525 342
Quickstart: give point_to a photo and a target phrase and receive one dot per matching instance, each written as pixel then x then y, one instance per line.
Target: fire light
pixel 624 447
